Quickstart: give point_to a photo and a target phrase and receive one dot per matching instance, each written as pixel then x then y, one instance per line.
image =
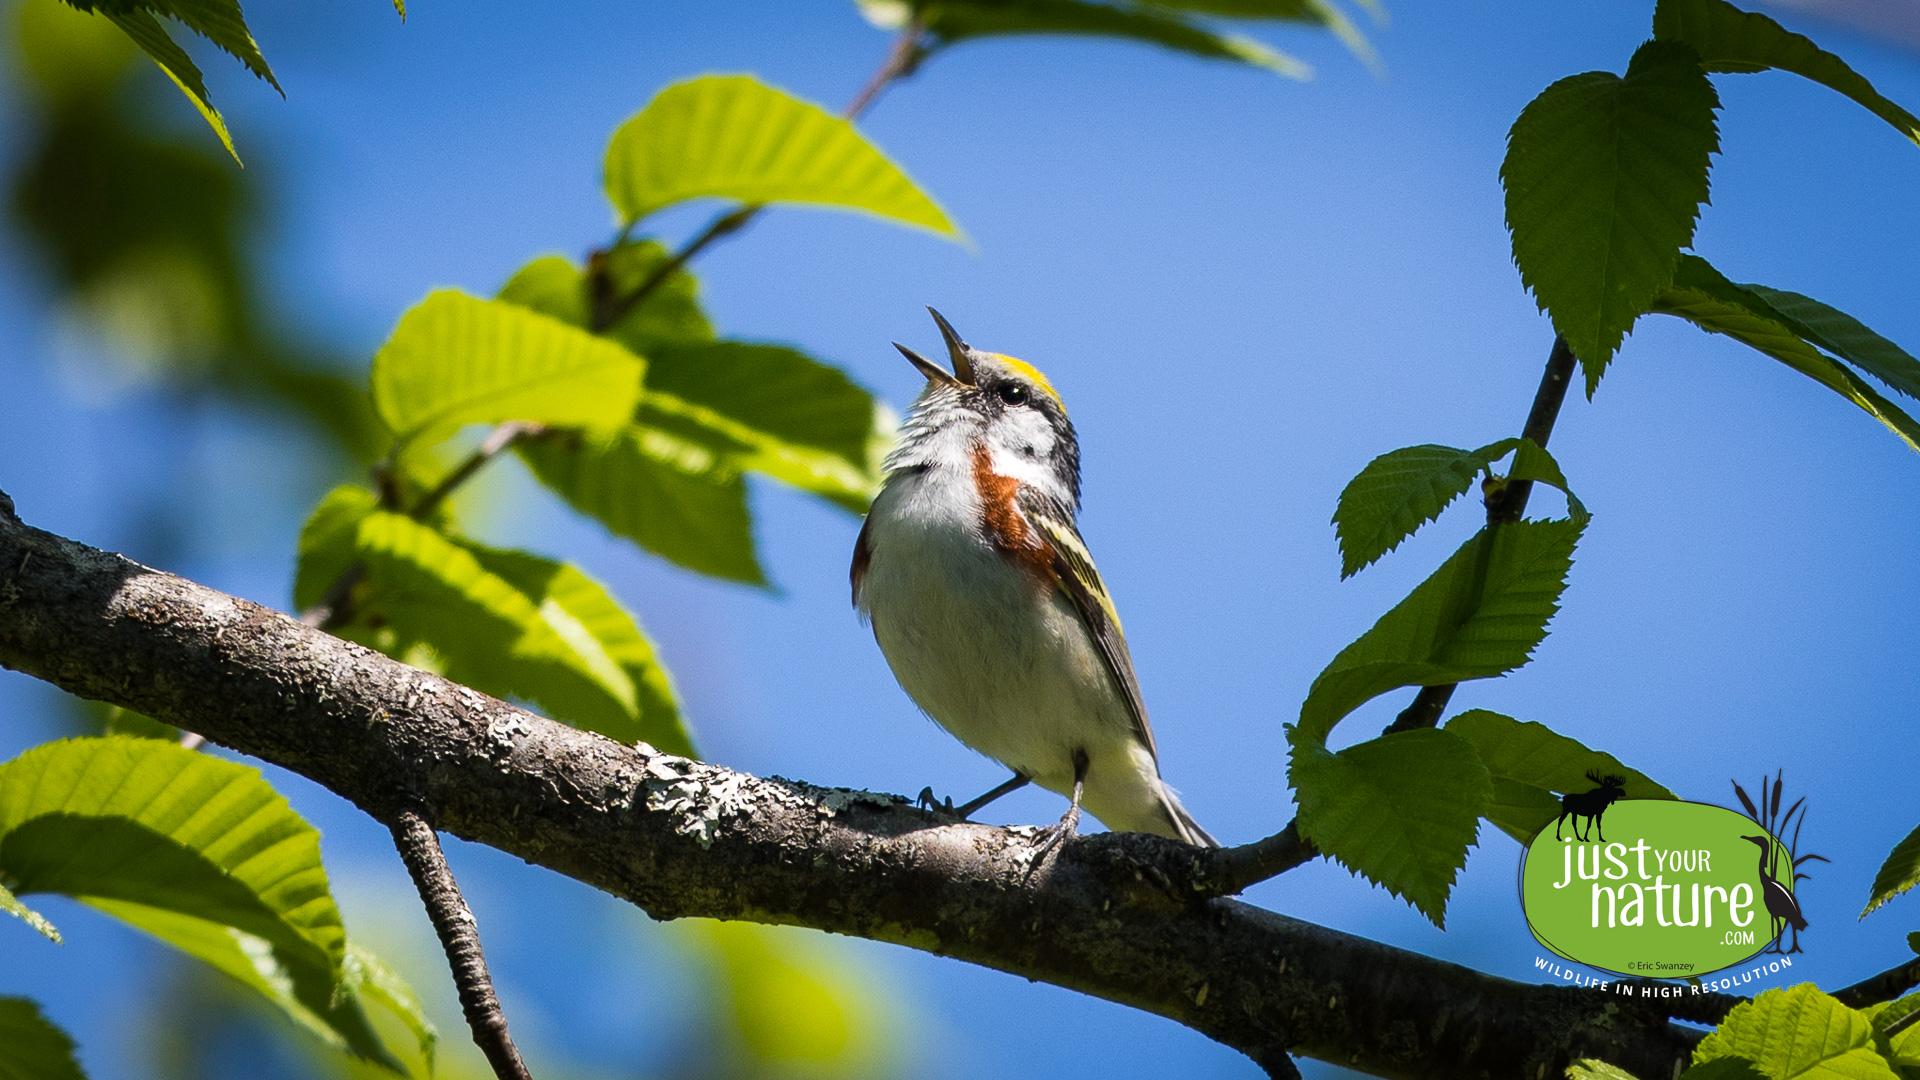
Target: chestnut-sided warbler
pixel 987 605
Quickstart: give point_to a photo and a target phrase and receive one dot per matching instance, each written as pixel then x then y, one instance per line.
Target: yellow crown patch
pixel 1031 374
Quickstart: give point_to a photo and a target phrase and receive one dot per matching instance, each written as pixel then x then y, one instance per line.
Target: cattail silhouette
pixel 1780 903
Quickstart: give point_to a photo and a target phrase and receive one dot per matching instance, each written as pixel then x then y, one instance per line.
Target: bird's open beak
pixel 934 372
pixel 956 349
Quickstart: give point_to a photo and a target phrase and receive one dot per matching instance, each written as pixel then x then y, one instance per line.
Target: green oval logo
pixel 1658 889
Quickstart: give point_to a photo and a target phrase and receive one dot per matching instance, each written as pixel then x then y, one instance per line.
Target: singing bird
pixel 987 605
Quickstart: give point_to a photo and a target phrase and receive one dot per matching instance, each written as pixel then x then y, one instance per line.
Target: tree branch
pixel 1114 916
pixel 460 936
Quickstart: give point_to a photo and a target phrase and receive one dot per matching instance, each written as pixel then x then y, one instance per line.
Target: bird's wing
pixel 1074 572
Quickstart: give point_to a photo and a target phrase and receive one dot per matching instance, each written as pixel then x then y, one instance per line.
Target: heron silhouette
pixel 1781 905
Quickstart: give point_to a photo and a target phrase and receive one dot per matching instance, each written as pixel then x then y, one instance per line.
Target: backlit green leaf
pixel 734 137
pixel 198 851
pixel 1398 492
pixel 1479 615
pixel 1735 41
pixel 1727 1068
pixel 35 1048
pixel 173 61
pixel 1604 179
pixel 952 22
pixel 368 977
pixel 794 1006
pixel 1900 872
pixel 456 360
pixel 553 286
pixel 1797 1032
pixel 1318 12
pixel 1842 335
pixel 303 992
pixel 517 625
pixel 1401 810
pixel 326 548
pixel 784 397
pixel 11 904
pixel 1547 764
pixel 1702 297
pixel 681 500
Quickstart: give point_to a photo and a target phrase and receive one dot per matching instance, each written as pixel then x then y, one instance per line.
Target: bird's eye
pixel 1013 393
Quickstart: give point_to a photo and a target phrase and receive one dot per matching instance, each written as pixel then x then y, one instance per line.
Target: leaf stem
pixel 419 848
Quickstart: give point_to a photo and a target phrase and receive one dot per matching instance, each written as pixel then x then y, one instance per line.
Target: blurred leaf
pixel 36 1049
pixel 1479 615
pixel 1742 42
pixel 1604 179
pixel 1401 810
pixel 369 977
pixel 797 1010
pixel 11 904
pixel 1595 1069
pixel 516 625
pixel 69 55
pixel 1900 872
pixel 1401 490
pixel 1704 298
pixel 332 1012
pixel 680 500
pixel 455 360
pixel 188 847
pixel 1534 756
pixel 1797 1032
pixel 1318 12
pixel 734 137
pixel 952 22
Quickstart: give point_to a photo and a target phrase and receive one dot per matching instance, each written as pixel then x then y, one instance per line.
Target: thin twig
pixel 1505 505
pixel 1885 986
pixel 1248 865
pixel 420 849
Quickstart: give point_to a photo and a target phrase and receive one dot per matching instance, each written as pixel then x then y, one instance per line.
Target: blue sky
pixel 1245 287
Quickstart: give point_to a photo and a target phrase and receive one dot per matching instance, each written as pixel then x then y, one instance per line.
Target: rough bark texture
pixel 1123 917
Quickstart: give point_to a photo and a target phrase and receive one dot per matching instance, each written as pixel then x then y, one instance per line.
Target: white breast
pixel 997 657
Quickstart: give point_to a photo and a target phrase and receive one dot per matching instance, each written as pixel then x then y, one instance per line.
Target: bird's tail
pixel 1184 826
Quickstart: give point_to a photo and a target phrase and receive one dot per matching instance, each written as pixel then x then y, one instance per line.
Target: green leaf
pixel 1707 300
pixel 1604 179
pixel 553 286
pixel 326 548
pixel 1318 12
pixel 455 360
pixel 11 904
pixel 1402 809
pixel 748 406
pixel 1900 872
pixel 367 976
pixel 146 32
pixel 1741 42
pixel 1595 1069
pixel 305 994
pixel 950 23
pixel 1727 1068
pixel 190 848
pixel 1902 1048
pixel 681 500
pixel 1479 615
pixel 36 1049
pixel 1532 462
pixel 517 625
pixel 734 137
pixel 1913 942
pixel 1797 1032
pixel 1843 335
pixel 1398 492
pixel 1534 758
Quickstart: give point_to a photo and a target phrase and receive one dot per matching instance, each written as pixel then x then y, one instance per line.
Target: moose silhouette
pixel 1590 805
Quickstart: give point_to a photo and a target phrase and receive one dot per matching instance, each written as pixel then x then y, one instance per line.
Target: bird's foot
pixel 926 801
pixel 1057 834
